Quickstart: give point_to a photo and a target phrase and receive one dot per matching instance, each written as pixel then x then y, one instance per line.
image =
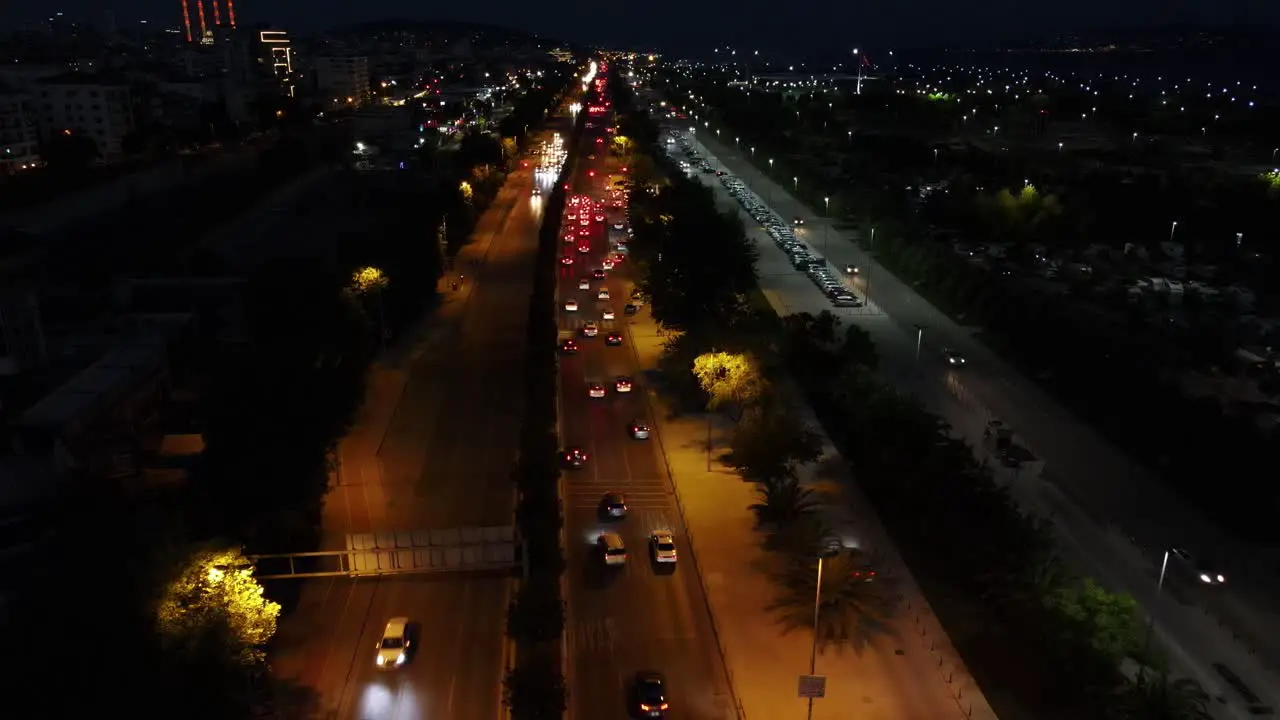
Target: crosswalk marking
pixel 586 313
pixel 594 635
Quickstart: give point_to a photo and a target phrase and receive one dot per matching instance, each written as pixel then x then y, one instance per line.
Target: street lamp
pixel 817 606
pixel 1172 229
pixel 1151 618
pixel 919 342
pixel 795 184
pixel 826 228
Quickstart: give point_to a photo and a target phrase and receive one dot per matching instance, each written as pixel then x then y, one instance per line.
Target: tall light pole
pixel 857 90
pixel 919 342
pixel 1172 229
pixel 1151 618
pixel 813 651
pixel 826 228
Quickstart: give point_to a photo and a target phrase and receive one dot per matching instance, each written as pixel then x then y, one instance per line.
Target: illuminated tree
pixel 1272 181
pixel 510 149
pixel 732 380
pixel 1107 621
pixel 1022 216
pixel 368 278
pixel 216 595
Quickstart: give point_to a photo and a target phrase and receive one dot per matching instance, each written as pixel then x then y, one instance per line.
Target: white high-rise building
pixel 96 108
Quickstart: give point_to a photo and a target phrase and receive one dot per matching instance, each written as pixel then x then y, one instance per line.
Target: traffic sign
pixel 813 686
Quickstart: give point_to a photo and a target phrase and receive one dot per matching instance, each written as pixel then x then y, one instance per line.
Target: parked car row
pixel 802 257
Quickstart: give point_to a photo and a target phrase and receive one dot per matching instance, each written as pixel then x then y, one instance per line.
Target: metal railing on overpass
pixel 405 552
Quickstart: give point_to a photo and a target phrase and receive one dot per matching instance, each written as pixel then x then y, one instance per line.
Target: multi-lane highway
pixel 1099 500
pixel 433 449
pixel 638 616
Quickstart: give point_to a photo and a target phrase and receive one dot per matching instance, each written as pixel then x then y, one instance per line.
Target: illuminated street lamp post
pixel 826 229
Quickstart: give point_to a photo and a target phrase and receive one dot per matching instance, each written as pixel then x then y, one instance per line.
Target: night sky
pixel 778 28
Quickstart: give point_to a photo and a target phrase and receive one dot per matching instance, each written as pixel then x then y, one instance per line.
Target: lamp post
pixel 919 342
pixel 826 228
pixel 1172 229
pixel 795 184
pixel 813 651
pixel 1151 618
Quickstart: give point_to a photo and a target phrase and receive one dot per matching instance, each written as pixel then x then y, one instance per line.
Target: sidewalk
pixel 913 673
pixel 355 501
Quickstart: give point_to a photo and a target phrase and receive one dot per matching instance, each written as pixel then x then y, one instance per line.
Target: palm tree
pixel 783 501
pixel 1160 697
pixel 854 605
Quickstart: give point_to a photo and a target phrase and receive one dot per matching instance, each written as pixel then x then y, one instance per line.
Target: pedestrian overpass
pixel 407 552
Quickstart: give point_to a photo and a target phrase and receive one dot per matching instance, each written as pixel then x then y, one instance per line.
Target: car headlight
pixel 400 659
pixel 381 660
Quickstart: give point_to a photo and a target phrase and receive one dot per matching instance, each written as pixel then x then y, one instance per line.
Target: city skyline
pixel 681 28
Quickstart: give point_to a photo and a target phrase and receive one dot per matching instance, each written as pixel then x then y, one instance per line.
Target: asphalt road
pixel 637 617
pixel 1111 514
pixel 444 461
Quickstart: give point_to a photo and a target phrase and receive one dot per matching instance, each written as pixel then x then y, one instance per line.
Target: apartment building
pixel 19 142
pixel 95 107
pixel 343 81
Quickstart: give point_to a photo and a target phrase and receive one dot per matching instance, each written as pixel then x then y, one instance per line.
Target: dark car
pixel 598 274
pixel 614 505
pixel 649 695
pixel 569 346
pixel 613 338
pixel 573 457
pixel 630 309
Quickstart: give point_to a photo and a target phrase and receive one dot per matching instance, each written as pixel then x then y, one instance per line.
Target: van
pixel 612 549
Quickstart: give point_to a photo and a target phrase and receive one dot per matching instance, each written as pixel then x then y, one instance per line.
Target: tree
pixel 216 596
pixel 733 381
pixel 535 690
pixel 859 349
pixel 854 603
pixel 1025 216
pixel 69 151
pixel 784 501
pixel 769 442
pixel 1107 621
pixel 1159 697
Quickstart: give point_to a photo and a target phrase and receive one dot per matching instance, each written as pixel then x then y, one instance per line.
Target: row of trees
pixel 1120 376
pixel 535 688
pixel 1037 637
pixel 182 619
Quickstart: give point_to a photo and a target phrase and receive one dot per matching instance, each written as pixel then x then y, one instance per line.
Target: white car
pixel 607 264
pixel 619 226
pixel 639 431
pixel 584 284
pixel 393 648
pixel 590 329
pixel 622 384
pixel 595 390
pixel 603 294
pixel 663 546
pixel 571 306
pixel 607 314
